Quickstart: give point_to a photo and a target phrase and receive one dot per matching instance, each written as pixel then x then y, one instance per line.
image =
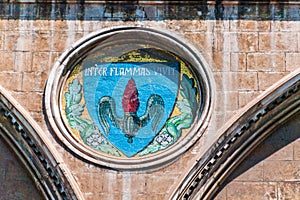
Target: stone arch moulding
pixel 129 98
pixel 240 136
pixel 35 150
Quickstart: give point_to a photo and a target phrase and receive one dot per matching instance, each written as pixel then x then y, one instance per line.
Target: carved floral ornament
pixel 129 97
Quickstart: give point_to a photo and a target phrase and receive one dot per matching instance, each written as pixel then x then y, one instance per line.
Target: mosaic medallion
pixel 126 99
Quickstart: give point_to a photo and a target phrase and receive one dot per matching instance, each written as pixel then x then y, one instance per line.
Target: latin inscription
pixel 113 70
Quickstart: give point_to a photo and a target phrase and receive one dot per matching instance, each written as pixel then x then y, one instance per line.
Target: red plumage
pixel 130 99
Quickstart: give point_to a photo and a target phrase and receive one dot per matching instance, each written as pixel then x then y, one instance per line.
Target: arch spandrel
pixel 14 173
pixel 240 136
pixel 35 151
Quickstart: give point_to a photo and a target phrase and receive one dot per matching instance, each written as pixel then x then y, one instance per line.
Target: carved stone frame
pixel 166 40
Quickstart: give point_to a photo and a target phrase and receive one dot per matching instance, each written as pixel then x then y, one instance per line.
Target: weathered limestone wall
pixel 245 57
pixel 271 171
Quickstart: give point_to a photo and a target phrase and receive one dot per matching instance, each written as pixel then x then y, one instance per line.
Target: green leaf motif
pixel 173 127
pixel 89 133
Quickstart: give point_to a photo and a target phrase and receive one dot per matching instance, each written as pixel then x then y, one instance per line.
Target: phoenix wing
pixel 107 110
pixel 155 111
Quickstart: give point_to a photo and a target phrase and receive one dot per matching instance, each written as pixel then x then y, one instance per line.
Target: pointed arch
pixel 35 151
pixel 240 136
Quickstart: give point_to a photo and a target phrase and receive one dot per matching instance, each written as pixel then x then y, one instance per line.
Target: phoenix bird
pixel 130 123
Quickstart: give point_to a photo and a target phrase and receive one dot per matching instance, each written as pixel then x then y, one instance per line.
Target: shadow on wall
pixel 143 10
pixel 15 181
pixel 271 148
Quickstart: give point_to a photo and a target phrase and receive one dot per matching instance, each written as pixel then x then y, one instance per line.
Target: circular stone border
pixel 76 52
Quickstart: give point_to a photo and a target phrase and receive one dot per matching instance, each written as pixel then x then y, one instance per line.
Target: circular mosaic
pixel 129 98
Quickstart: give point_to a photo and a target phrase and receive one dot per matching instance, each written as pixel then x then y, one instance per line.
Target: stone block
pixel 278 41
pixel 247 81
pixel 244 97
pixel 2 36
pixel 292 61
pixel 111 195
pixel 281 170
pixel 61 40
pixel 41 41
pixel 25 25
pixel 60 25
pixel 18 41
pixel 42 25
pixel 251 190
pixel 221 41
pixel 11 25
pixel 296 152
pixel 54 56
pixel 33 81
pixel 113 180
pixel 221 26
pixel 41 61
pixel 249 171
pixel 226 81
pixel 155 196
pixel 161 181
pixel 37 116
pixel 247 41
pixel 23 61
pixel 298 39
pixel 10 39
pixel 142 196
pixel 32 101
pixel 284 26
pixel 263 25
pixel 229 114
pixel 267 79
pixel 265 41
pixel 202 41
pixel 227 101
pixel 221 61
pixel 2 24
pixel 266 62
pixel 186 25
pixel 7 78
pixel 249 25
pixel 286 41
pixel 7 61
pixel 79 167
pixel 90 182
pixel 289 190
pixel 135 178
pixel 238 62
pixel 172 25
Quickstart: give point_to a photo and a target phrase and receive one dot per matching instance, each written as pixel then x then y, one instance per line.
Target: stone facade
pixel 271 170
pixel 245 57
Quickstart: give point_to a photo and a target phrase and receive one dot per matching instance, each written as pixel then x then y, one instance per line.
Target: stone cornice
pixel 34 149
pixel 239 137
pixel 149 10
pixel 223 2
